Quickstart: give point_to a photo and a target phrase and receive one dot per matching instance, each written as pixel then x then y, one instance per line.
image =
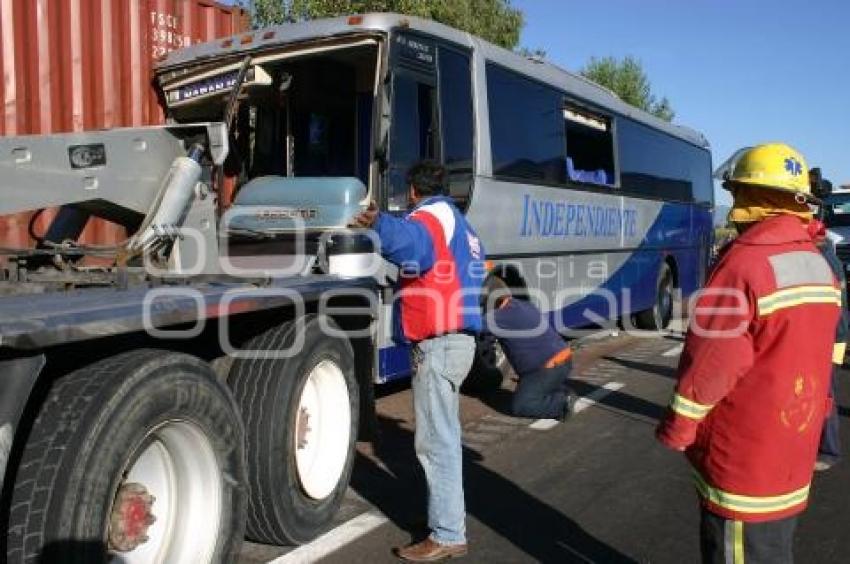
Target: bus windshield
pixel 304 113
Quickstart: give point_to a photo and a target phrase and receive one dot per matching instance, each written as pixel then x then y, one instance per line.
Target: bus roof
pixel 272 37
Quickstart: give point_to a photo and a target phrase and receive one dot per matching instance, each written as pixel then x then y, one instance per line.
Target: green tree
pixel 495 20
pixel 628 80
pixel 267 12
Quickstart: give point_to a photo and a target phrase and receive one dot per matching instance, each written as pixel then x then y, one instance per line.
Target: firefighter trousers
pixel 725 541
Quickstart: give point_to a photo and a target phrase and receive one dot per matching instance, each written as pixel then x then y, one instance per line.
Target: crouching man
pixel 541 359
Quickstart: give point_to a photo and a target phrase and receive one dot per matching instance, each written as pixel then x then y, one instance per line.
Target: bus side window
pixel 655 165
pixel 526 128
pixel 414 135
pixel 456 122
pixel 590 147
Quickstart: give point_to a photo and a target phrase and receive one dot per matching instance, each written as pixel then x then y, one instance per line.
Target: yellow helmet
pixel 772 165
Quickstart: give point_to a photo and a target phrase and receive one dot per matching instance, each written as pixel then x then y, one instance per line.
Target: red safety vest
pixel 755 373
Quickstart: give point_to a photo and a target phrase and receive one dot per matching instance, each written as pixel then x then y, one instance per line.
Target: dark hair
pixel 428 178
pixel 495 292
pixel 821 187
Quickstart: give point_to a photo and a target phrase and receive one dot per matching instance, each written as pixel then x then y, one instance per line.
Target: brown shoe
pixel 430 551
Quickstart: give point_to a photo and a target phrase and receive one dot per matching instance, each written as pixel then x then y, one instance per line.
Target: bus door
pixel 414 130
pixel 431 117
pixel 413 136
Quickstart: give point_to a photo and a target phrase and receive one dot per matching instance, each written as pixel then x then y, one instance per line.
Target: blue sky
pixel 741 72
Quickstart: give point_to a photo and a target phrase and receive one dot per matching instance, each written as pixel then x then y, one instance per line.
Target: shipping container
pixel 75 65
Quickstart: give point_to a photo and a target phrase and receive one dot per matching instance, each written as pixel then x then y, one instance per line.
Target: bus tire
pixel 487 370
pixel 659 315
pixel 298 471
pixel 144 434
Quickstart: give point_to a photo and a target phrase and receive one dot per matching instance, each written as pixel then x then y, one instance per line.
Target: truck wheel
pixel 658 316
pixel 137 458
pixel 301 416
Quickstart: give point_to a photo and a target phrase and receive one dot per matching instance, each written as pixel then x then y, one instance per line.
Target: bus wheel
pixel 137 458
pixel 659 315
pixel 301 413
pixel 488 367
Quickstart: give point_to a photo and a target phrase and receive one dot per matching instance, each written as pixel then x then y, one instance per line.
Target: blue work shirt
pixel 526 353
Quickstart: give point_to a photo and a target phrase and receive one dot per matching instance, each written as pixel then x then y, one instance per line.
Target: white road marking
pixel 334 539
pixel 677 326
pixel 675 351
pixel 363 524
pixel 595 396
pixel 581 404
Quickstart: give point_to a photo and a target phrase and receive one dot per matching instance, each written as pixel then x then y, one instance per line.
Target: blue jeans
pixel 542 393
pixel 440 366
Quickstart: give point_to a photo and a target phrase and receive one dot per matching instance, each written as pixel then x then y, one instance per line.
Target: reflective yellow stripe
pixel 689 408
pixel 750 504
pixel 838 351
pixel 739 542
pixel 790 297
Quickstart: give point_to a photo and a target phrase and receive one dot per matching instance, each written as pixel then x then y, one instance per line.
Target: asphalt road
pixel 596 489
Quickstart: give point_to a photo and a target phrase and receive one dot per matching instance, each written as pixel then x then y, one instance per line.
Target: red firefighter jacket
pixel 754 374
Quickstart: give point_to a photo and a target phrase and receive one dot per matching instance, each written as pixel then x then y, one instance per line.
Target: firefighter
pixel 754 375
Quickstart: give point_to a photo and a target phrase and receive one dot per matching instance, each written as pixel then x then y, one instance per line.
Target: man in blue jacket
pixel 441 272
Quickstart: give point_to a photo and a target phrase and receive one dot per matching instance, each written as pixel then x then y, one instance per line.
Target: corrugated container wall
pixel 74 65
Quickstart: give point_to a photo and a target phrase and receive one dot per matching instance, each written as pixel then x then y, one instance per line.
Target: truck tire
pixel 658 316
pixel 301 416
pixel 141 435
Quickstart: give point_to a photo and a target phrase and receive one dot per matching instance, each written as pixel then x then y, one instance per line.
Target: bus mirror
pixel 724 171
